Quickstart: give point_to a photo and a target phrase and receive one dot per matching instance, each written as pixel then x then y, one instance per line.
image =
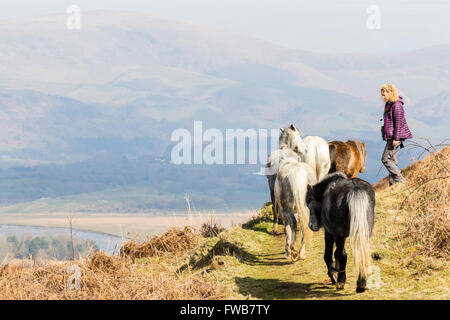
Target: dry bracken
pixel 103 277
pixel 425 197
pixel 173 240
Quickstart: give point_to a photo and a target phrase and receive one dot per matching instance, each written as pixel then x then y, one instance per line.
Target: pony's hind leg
pixel 307 233
pixel 288 233
pixel 341 262
pixel 272 179
pixel 290 236
pixel 304 238
pixel 302 251
pixel 328 257
pixel 293 222
pixel 276 214
pixel 361 284
pixel 290 226
pixel 287 249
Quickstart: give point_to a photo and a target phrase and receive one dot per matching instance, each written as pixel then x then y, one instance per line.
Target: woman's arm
pixel 398 114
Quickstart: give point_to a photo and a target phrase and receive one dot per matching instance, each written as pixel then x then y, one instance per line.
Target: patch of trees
pixel 45 247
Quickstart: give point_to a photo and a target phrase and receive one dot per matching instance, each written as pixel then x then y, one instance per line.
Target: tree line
pixel 44 247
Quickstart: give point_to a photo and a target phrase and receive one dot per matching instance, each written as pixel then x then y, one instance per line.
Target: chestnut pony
pixel 348 157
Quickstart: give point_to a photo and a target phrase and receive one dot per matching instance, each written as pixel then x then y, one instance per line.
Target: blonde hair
pixel 391 90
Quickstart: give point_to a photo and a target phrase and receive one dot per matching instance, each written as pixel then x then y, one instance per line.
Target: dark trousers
pixel 389 160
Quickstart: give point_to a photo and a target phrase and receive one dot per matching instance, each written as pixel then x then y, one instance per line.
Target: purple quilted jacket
pixel 395 126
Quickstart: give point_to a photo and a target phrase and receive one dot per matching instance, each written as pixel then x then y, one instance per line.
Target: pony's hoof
pixel 294 257
pixel 333 277
pixel 360 289
pixel 340 285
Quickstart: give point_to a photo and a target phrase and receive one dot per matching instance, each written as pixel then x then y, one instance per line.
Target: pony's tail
pixel 299 198
pixel 358 204
pixel 276 204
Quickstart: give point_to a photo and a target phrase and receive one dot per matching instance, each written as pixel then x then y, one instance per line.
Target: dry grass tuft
pixel 173 240
pixel 428 200
pixel 211 247
pixel 426 203
pixel 101 261
pixel 211 228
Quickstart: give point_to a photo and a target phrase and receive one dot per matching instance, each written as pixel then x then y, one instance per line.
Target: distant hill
pixel 434 110
pixel 120 86
pixel 146 184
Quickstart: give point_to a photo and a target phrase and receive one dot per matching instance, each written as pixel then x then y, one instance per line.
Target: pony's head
pixel 291 137
pixel 315 208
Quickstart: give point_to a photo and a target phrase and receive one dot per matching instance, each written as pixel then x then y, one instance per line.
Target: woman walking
pixel 394 131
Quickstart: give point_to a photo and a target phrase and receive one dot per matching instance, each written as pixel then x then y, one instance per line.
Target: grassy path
pixel 267 274
pixel 263 273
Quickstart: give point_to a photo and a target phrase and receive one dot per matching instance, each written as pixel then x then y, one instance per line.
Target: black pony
pixel 345 208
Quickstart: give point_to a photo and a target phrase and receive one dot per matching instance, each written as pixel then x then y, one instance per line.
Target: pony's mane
pixel 283 136
pixel 354 143
pixel 357 144
pixel 321 186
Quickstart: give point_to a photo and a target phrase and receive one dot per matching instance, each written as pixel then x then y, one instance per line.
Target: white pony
pixel 291 137
pixel 313 150
pixel 290 190
pixel 317 155
pixel 290 145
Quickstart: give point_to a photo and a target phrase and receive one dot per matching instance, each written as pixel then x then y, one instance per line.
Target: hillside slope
pixel 410 256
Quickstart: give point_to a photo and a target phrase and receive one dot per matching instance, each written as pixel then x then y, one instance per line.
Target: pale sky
pixel 314 25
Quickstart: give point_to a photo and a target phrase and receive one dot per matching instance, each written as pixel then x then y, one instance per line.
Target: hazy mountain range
pixel 120 86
